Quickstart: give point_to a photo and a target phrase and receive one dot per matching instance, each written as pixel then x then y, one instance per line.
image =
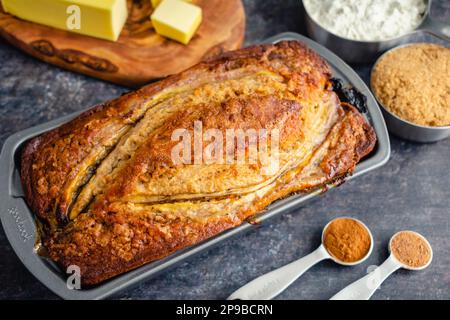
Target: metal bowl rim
pixel 417 28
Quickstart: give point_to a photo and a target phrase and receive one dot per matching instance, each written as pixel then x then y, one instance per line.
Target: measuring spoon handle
pixel 365 287
pixel 273 283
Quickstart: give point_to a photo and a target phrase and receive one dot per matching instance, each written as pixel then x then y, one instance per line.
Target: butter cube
pixel 177 20
pixel 102 19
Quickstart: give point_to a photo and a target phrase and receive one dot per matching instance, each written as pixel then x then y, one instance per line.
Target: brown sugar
pixel 411 249
pixel 413 82
pixel 347 240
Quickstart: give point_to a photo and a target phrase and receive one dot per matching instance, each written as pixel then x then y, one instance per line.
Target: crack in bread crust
pixel 112 200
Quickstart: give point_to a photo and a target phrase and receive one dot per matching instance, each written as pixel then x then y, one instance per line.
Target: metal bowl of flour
pixel 356 51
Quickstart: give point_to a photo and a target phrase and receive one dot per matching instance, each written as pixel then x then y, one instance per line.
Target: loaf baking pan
pixel 19 222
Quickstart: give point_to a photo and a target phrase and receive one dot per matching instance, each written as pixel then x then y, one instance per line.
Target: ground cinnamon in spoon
pixel 411 249
pixel 347 240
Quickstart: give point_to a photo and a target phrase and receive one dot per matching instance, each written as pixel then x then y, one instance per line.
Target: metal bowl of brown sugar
pixel 410 83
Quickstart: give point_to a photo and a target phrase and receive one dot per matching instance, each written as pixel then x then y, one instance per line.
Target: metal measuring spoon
pixel 365 287
pixel 273 283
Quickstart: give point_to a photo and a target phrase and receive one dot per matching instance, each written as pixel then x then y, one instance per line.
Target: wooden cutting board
pixel 140 55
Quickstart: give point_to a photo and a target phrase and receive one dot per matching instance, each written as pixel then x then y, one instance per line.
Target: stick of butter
pixel 102 19
pixel 177 20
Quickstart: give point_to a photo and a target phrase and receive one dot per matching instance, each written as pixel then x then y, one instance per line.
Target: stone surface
pixel 410 192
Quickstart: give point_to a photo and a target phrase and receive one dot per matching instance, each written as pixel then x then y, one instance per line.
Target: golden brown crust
pixel 45 173
pixel 110 169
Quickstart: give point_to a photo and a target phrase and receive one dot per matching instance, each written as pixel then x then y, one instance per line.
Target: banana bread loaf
pixel 110 196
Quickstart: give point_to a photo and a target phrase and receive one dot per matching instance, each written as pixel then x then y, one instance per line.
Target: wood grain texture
pixel 140 55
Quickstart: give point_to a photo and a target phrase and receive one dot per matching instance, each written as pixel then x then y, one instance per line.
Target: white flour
pixel 368 20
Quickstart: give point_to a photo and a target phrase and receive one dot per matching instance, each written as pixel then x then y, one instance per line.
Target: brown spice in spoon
pixel 411 249
pixel 347 240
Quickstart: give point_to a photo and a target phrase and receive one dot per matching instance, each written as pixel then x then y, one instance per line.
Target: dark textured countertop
pixel 410 192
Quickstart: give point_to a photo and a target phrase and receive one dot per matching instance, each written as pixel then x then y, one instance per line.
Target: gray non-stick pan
pixel 19 222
